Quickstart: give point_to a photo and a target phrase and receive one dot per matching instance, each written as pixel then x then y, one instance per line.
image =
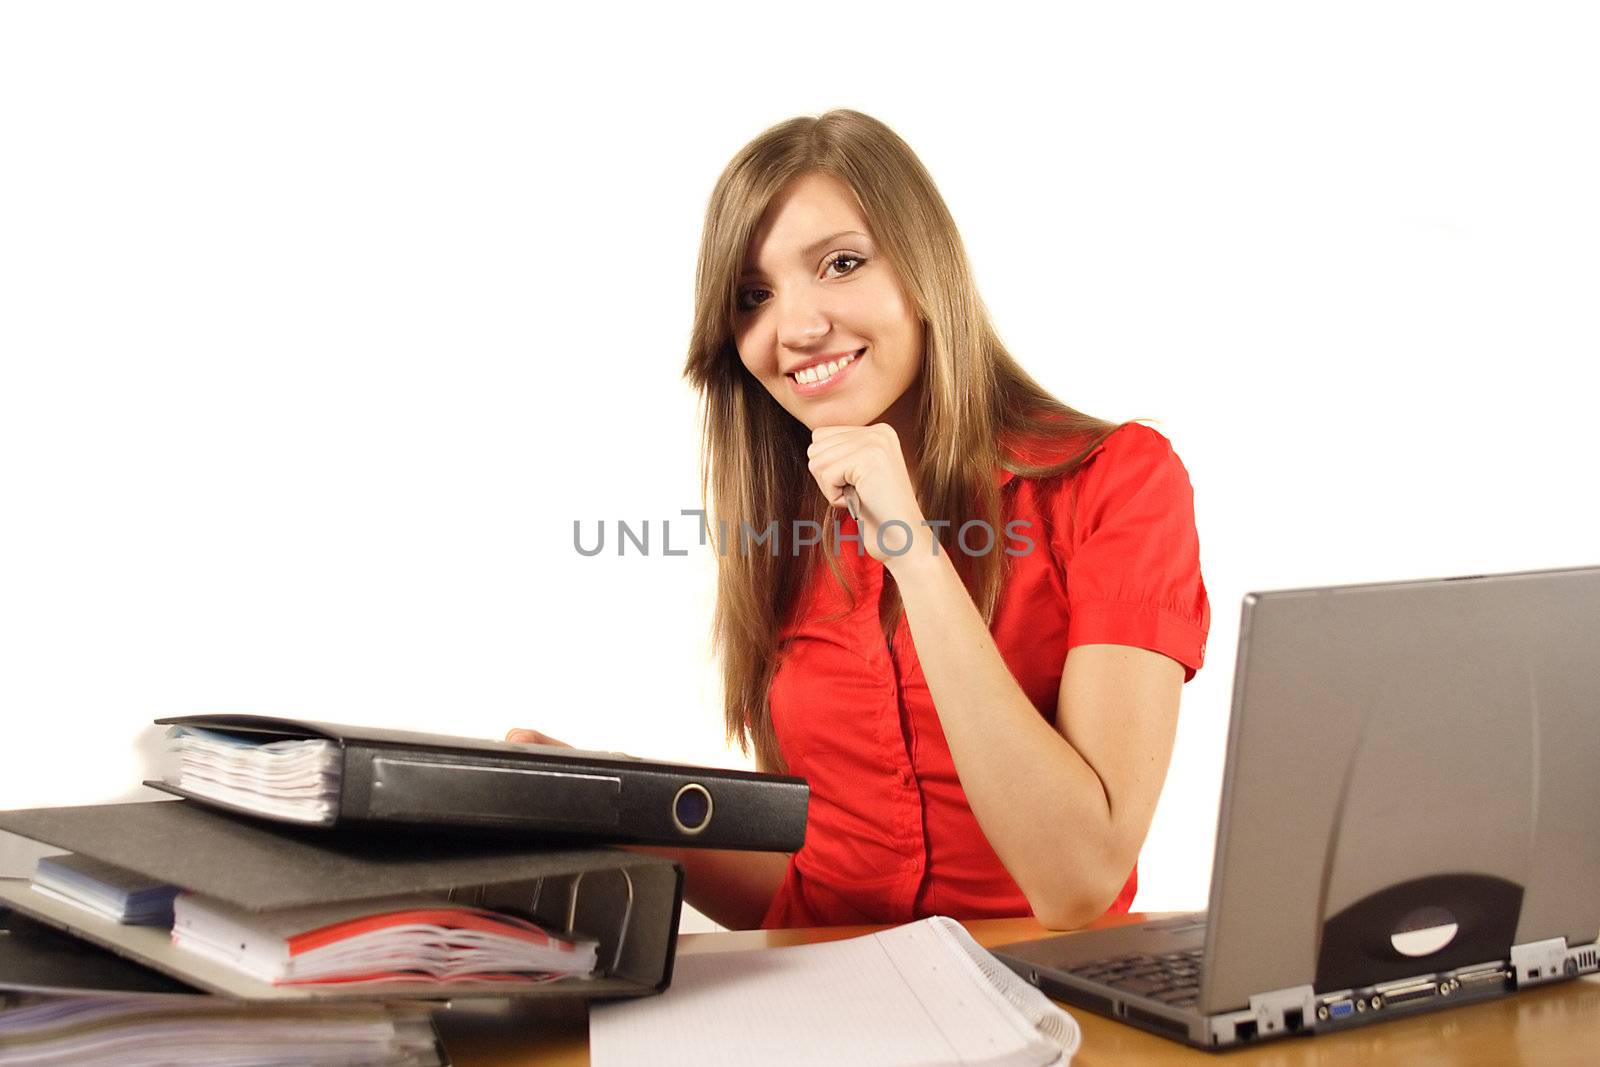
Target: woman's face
pixel 822 322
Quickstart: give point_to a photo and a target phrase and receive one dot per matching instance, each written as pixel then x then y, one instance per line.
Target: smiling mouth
pixel 810 378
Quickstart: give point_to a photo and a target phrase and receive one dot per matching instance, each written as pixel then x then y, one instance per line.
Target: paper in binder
pixel 399 939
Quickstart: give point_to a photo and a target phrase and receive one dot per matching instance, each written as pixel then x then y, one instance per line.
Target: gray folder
pixel 627 901
pixel 36 958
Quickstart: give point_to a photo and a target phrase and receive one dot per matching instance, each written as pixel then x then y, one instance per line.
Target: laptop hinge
pixel 1551 960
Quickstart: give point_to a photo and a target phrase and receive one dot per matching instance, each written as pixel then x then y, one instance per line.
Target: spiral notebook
pixel 920 995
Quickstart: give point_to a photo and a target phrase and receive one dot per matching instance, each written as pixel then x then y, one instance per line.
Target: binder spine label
pixel 411 788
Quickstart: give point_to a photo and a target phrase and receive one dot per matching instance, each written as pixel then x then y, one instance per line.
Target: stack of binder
pixel 283 818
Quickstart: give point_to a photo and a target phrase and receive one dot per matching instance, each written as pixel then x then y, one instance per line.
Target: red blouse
pixel 890 837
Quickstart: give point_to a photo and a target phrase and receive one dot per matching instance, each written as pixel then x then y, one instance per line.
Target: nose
pixel 801 320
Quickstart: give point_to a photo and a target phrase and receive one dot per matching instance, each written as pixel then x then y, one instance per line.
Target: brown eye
pixel 744 303
pixel 847 257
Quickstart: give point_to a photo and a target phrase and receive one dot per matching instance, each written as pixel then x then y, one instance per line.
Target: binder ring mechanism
pixel 477 893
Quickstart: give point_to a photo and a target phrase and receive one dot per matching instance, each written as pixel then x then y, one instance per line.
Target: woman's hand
pixel 867 461
pixel 533 737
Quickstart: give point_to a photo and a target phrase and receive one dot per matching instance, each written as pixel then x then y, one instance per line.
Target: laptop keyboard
pixel 1171 978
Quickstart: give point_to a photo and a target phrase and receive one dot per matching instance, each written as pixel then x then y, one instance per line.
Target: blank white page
pixel 907 997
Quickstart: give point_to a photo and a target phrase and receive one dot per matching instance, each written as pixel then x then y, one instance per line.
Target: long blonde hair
pixel 974 397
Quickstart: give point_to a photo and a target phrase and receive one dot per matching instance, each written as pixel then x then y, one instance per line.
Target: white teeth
pixel 823 371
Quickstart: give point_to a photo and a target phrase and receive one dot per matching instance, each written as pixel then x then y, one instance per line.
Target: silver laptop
pixel 1408 817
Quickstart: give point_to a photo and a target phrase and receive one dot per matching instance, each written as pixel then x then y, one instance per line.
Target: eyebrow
pixel 813 248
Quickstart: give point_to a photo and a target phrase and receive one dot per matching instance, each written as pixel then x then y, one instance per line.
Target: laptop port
pixel 1170 1027
pixel 1405 994
pixel 1489 976
pixel 1338 1009
pixel 1293 1020
pixel 1245 1031
pixel 1073 995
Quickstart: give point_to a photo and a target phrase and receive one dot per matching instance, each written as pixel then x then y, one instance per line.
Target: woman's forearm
pixel 730 887
pixel 1043 808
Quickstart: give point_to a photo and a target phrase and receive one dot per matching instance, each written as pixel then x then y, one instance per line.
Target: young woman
pixel 977 663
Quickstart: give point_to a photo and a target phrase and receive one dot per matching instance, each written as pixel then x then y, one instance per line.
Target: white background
pixel 321 324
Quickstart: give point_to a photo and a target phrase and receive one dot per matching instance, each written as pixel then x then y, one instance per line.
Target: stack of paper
pixel 177 1031
pixel 295 779
pixel 920 995
pixel 105 889
pixel 368 941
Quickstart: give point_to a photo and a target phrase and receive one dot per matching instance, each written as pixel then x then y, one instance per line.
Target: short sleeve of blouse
pixel 1127 543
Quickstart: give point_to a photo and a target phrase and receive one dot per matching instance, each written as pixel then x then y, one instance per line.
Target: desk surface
pixel 1558 1024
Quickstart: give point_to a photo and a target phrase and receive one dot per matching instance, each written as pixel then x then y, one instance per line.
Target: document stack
pixel 294 780
pixel 414 939
pixel 332 888
pixel 178 1031
pixel 106 890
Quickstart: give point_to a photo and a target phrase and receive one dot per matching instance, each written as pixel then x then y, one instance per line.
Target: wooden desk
pixel 1553 1025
